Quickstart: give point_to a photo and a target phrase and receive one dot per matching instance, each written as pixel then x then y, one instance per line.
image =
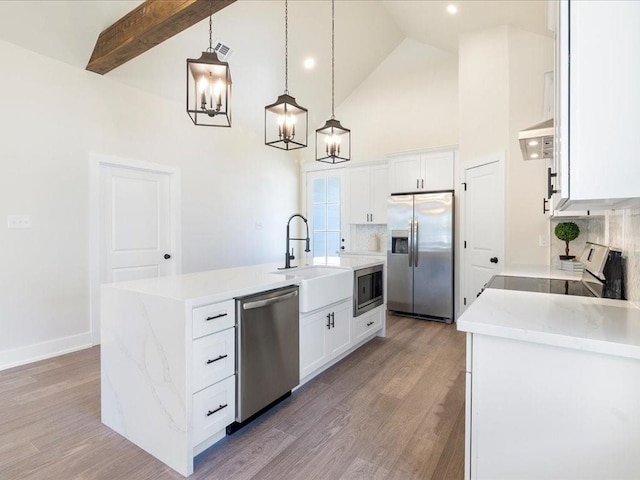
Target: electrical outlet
pixel 19 221
pixel 543 241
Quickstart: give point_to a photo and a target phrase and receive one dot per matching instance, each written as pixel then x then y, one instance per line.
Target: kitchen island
pixel 552 388
pixel 168 363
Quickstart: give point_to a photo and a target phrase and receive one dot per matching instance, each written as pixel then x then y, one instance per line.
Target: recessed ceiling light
pixel 534 156
pixel 309 63
pixel 452 9
pixel 532 143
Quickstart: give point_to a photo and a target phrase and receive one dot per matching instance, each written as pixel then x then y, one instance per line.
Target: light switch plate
pixel 19 221
pixel 543 241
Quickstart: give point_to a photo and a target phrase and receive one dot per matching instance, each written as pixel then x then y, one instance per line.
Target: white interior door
pixel 136 222
pixel 484 213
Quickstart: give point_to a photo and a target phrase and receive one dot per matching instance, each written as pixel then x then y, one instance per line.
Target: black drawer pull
pixel 216 316
pixel 216 359
pixel 370 323
pixel 211 412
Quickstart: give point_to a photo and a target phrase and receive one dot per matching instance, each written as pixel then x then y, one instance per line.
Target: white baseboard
pixel 41 351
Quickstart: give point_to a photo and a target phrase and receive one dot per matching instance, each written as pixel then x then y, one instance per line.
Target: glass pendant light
pixel 285 122
pixel 209 88
pixel 333 141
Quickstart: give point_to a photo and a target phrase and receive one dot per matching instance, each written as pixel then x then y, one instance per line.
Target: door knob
pixel 167 256
pixel 493 259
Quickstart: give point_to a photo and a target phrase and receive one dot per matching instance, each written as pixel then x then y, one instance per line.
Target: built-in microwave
pixel 368 289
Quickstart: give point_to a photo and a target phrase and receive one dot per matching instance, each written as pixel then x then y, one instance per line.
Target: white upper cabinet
pixel 598 114
pixel 368 191
pixel 422 172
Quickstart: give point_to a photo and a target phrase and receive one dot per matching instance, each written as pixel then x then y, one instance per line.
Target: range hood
pixel 536 142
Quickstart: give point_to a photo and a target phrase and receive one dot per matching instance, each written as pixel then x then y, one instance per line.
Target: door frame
pixel 499 157
pixel 96 161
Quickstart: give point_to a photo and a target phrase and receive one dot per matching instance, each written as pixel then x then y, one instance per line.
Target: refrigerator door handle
pixel 415 243
pixel 410 242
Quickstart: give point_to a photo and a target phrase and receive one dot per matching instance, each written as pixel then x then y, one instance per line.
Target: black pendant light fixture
pixel 333 141
pixel 285 122
pixel 209 88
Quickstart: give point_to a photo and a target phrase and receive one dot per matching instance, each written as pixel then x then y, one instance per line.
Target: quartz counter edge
pixel 584 323
pixel 200 288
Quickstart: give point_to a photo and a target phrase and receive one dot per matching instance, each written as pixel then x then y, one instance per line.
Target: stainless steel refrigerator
pixel 420 255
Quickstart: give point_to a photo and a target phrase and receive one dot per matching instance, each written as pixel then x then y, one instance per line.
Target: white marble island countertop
pixel 218 285
pixel 584 323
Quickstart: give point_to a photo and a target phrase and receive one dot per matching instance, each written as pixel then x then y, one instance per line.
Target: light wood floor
pixel 393 409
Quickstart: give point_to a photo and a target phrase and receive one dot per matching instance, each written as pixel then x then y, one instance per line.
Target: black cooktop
pixel 543 285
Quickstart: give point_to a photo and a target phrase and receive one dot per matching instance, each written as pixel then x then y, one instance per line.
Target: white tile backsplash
pixel 620 230
pixel 365 238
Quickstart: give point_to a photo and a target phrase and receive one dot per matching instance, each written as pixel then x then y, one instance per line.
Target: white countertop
pixel 218 285
pixel 584 323
pixel 539 271
pixel 364 254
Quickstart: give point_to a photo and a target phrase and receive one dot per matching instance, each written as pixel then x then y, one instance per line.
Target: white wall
pixel 501 92
pixel 483 92
pixel 53 116
pixel 409 102
pixel 530 56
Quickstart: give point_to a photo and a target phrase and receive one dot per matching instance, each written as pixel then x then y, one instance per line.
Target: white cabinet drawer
pixel 213 409
pixel 367 323
pixel 214 358
pixel 213 318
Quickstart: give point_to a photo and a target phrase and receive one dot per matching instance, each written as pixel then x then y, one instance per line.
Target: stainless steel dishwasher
pixel 268 351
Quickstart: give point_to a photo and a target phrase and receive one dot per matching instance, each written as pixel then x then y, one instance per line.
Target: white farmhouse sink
pixel 322 286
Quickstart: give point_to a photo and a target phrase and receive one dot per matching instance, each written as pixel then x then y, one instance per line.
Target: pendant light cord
pixel 333 66
pixel 210 49
pixel 286 47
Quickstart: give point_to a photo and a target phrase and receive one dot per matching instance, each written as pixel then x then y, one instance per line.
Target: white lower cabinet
pixel 548 412
pixel 213 409
pixel 324 334
pixel 331 333
pixel 214 358
pixel 367 323
pixel 168 379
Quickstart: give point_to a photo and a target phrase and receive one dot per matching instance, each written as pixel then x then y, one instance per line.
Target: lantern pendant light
pixel 333 141
pixel 285 122
pixel 209 88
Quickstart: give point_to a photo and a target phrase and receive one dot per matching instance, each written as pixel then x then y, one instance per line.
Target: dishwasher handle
pixel 269 301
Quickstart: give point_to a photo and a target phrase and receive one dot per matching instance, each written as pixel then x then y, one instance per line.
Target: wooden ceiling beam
pixel 146 26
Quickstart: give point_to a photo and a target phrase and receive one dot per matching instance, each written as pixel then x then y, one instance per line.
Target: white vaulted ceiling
pixel 366 32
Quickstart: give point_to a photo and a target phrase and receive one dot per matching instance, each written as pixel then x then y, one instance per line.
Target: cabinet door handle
pixel 333 320
pixel 210 361
pixel 550 189
pixel 211 412
pixel 417 183
pixel 422 183
pixel 220 315
pixel 328 321
pixel 544 205
pixel 371 216
pixel 370 323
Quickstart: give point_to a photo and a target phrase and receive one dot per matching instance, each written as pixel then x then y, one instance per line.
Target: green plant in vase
pixel 567 232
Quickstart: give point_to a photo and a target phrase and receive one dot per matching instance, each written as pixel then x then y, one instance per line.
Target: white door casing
pixel 134 225
pixel 484 224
